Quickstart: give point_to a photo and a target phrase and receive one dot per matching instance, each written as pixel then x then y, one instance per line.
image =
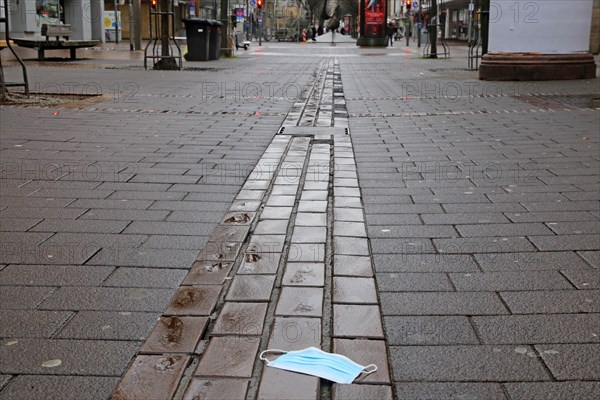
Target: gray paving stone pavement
pixel 481 227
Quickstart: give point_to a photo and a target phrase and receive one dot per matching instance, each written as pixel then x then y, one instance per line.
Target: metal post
pixel 130 7
pixel 485 26
pixel 259 27
pixel 116 2
pixel 419 25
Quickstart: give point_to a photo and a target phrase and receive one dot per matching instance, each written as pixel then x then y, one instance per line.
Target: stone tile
pixel 505 281
pixel 175 335
pixel 86 226
pixel 450 391
pixel 538 329
pixel 240 319
pixel 350 246
pixel 194 300
pixel 357 321
pixel 566 242
pixel 31 323
pixel 229 356
pixel 219 251
pixel 351 202
pixel 310 195
pixel 309 234
pixel 23 297
pixel 271 227
pixel 483 245
pixel 434 330
pixel 346 191
pixel 529 261
pixel 352 266
pixel 281 201
pixel 354 290
pixel 366 352
pixel 224 233
pixel 348 214
pixel 42 387
pixel 312 206
pixel 169 228
pixel 380 392
pixel 411 231
pixel 408 262
pixel 402 247
pixel 552 301
pixel 78 357
pixel 311 219
pixel 414 282
pixel 216 389
pixel 145 277
pixel 18 224
pixel 266 244
pixel 250 194
pixel 463 218
pixel 291 333
pixel 300 302
pixel 244 206
pixel 281 190
pixel 260 263
pixel 466 363
pixel 354 229
pixel 592 257
pixel 572 361
pixel 277 384
pixel 152 377
pixel 559 390
pixel 308 185
pixel 276 213
pixel 304 274
pixel 441 303
pixel 108 325
pixel 307 252
pixel 208 273
pixel 251 288
pixel 583 278
pixel 144 257
pixel 513 229
pixel 172 242
pixel 54 275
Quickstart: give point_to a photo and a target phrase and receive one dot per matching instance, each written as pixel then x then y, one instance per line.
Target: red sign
pixel 374 18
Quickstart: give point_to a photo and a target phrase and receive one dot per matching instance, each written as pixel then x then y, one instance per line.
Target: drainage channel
pixel 289 267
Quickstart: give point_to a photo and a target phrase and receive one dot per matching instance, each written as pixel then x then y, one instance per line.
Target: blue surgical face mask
pixel 313 361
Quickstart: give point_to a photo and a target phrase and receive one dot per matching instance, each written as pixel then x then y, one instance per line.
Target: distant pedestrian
pixel 390 31
pixel 313 32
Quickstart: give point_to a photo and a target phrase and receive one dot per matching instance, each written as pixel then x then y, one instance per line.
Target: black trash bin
pixel 214 51
pixel 197 32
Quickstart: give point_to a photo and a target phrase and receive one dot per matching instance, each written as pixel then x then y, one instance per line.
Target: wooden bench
pixel 57 31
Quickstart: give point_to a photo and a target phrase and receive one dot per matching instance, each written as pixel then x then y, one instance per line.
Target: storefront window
pixel 49 11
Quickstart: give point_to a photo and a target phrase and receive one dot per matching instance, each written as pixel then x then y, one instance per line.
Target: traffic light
pixel 259 4
pixel 408 3
pixel 153 4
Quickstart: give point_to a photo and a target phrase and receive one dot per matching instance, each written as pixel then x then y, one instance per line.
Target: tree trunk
pixel 167 62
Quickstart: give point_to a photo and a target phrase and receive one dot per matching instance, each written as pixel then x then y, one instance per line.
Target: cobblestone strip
pixel 289 267
pixel 175 343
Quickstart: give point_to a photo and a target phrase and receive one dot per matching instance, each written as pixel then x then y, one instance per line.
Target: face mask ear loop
pixel 270 351
pixel 370 371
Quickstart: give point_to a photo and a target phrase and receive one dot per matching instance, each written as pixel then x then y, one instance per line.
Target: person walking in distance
pixel 390 31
